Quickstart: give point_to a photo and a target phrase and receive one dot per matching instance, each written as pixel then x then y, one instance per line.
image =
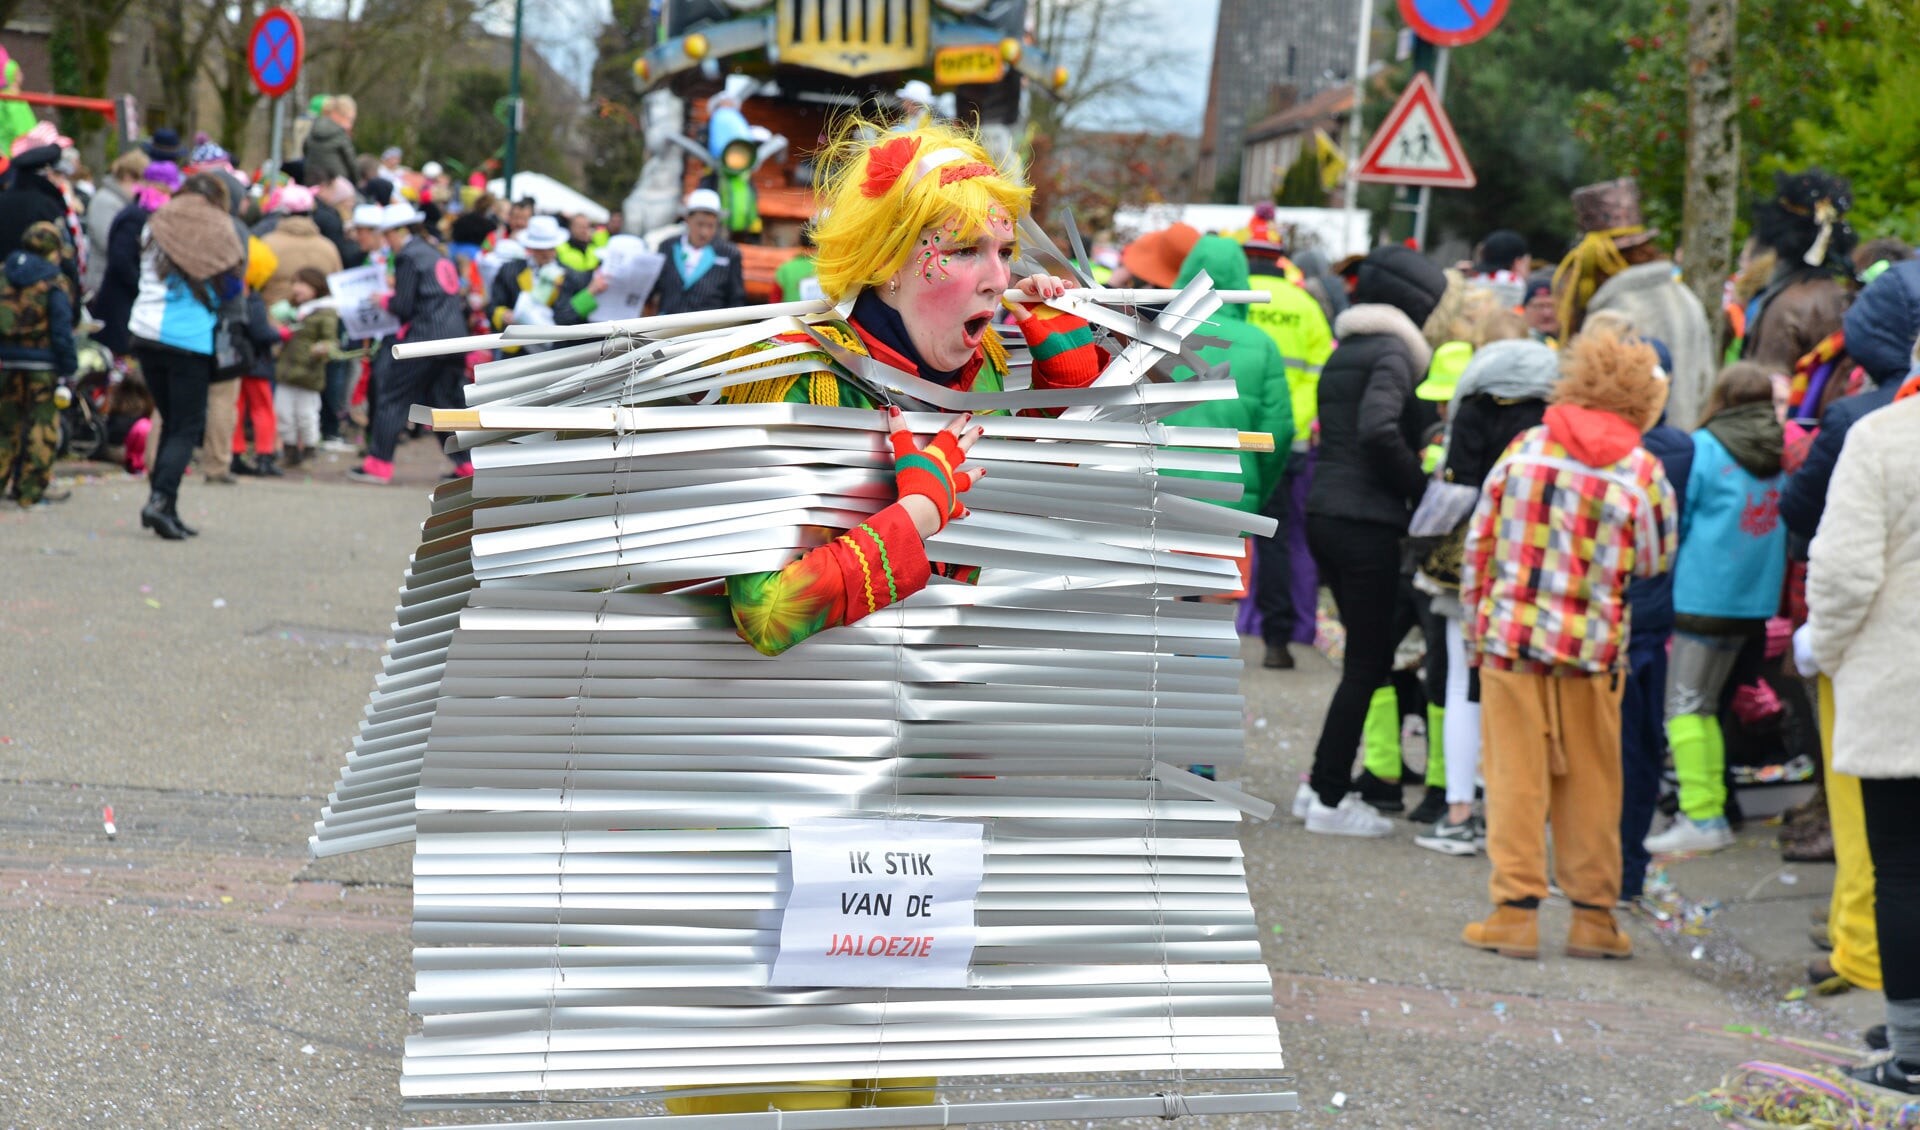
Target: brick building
pixel 1266 54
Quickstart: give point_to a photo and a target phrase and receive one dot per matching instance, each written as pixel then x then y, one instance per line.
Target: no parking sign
pixel 275 50
pixel 1452 23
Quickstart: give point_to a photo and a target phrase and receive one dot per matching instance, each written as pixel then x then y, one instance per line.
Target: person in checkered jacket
pixel 1572 512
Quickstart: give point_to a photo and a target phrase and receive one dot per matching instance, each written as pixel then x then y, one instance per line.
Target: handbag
pixel 233 350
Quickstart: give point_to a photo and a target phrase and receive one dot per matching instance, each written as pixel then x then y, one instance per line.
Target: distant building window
pixel 1293 58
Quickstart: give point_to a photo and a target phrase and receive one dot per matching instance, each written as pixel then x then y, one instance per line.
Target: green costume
pixel 792 273
pixel 1258 371
pixel 16 118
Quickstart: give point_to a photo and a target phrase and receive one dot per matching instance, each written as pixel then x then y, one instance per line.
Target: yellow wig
pixel 882 190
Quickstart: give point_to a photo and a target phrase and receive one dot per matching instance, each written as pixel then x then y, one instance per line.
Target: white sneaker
pixel 1302 801
pixel 1354 817
pixel 1688 835
pixel 338 446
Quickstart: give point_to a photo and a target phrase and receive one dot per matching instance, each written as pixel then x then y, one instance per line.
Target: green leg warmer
pixel 1699 760
pixel 1380 736
pixel 1436 746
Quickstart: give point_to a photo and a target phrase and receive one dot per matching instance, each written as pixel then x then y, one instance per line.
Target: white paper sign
pixel 630 270
pixel 357 293
pixel 880 903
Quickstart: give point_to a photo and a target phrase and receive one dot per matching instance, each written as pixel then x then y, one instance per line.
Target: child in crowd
pixel 313 329
pixel 36 348
pixel 129 423
pixel 1572 512
pixel 255 426
pixel 1727 582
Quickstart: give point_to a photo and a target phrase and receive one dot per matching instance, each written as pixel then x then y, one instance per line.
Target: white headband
pixel 936 159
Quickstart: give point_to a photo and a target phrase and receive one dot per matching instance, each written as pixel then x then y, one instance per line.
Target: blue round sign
pixel 275 50
pixel 1451 23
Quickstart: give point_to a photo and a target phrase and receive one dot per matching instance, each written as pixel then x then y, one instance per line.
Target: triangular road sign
pixel 1416 144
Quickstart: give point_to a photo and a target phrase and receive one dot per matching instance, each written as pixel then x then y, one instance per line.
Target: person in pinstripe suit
pixel 426 298
pixel 702 271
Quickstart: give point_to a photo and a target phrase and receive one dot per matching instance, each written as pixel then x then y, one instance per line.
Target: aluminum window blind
pixel 598 774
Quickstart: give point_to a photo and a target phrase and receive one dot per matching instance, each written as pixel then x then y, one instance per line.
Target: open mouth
pixel 976 326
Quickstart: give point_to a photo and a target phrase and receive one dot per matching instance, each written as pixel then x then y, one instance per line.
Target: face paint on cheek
pixel 930 255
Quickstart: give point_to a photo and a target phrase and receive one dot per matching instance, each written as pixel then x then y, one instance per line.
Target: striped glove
pixel 931 472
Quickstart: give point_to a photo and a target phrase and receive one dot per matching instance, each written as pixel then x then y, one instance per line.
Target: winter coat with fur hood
pixel 1371 425
pixel 1863 595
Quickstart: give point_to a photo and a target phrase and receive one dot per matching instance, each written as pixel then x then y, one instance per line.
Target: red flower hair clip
pixel 885 164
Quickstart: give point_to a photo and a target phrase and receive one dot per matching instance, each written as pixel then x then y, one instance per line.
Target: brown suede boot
pixel 1509 931
pixel 1596 934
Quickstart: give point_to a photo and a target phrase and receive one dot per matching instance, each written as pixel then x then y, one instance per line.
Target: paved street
pixel 197 970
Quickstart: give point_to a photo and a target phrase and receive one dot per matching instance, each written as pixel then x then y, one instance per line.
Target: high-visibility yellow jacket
pixel 1295 322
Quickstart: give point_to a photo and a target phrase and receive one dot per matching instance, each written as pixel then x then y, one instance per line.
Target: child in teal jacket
pixel 1726 585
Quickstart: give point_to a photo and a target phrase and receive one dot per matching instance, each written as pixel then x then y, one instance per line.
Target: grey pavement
pixel 198 970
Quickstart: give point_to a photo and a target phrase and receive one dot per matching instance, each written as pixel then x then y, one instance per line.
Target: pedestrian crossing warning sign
pixel 1416 144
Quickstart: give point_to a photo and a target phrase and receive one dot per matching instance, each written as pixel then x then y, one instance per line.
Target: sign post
pixel 275 50
pixel 1440 25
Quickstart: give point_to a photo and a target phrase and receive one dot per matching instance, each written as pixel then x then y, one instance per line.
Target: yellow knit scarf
pixel 1592 262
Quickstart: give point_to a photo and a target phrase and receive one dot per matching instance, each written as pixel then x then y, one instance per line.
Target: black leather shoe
pixel 1886 1073
pixel 154 516
pixel 173 511
pixel 1384 796
pixel 266 466
pixel 1431 807
pixel 1279 658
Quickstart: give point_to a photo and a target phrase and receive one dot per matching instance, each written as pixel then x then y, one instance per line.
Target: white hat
pixel 368 215
pixel 431 169
pixel 703 200
pixel 506 249
pixel 915 91
pixel 542 233
pixel 398 214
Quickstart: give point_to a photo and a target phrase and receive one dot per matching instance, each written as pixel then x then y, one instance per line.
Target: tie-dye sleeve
pixel 875 564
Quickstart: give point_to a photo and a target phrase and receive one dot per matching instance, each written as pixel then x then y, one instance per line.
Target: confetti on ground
pixel 1760 1094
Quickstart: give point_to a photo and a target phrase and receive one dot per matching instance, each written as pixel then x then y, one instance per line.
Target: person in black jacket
pixel 702 271
pixel 1368 480
pixel 1880 327
pixel 1643 705
pixel 541 274
pixel 113 302
pixel 426 298
pixel 33 198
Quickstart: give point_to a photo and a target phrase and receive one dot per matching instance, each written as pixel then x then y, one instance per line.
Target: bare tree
pixel 1713 153
pixel 83 45
pixel 1114 65
pixel 232 78
pixel 1112 60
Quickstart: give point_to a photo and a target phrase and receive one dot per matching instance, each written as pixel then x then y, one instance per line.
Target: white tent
pixel 549 195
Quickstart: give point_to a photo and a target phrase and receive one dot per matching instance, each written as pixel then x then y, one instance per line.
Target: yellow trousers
pixel 1856 946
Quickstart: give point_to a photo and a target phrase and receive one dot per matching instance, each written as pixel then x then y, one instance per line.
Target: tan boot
pixel 1509 931
pixel 1596 934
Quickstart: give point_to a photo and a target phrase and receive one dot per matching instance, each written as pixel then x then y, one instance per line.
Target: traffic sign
pixel 275 50
pixel 1416 144
pixel 1452 23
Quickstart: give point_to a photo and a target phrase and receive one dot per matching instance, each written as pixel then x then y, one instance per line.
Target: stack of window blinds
pixel 599 775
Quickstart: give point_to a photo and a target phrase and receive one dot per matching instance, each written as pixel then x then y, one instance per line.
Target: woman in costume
pixel 918 231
